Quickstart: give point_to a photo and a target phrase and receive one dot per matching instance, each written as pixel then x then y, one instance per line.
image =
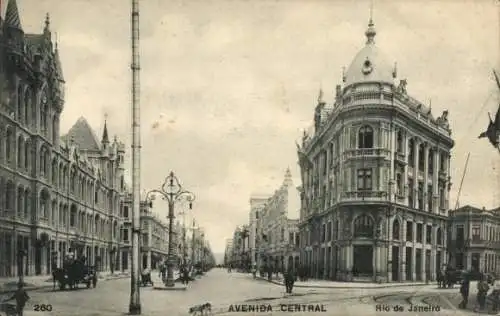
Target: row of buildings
pixel 375 191
pixel 271 238
pixel 60 194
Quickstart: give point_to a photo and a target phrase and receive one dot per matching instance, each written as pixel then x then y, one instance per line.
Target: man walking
pixel 21 297
pixel 289 280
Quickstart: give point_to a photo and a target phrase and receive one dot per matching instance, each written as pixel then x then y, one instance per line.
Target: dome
pixel 369 65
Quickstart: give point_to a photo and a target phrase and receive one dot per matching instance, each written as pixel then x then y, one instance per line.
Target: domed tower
pixel 369 65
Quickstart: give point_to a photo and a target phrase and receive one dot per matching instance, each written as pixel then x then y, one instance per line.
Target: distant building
pixel 275 223
pixel 474 239
pixel 153 237
pixel 228 252
pixel 257 203
pixel 375 179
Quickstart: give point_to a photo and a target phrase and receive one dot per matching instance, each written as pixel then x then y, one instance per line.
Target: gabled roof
pixel 83 135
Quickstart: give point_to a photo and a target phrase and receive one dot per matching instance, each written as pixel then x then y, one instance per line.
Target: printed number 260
pixel 42 308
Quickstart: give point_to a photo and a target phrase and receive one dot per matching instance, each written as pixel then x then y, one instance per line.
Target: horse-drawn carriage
pixel 74 272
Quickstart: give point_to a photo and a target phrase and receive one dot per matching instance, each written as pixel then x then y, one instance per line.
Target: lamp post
pixel 172 192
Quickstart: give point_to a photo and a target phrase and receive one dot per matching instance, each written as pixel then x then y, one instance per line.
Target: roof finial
pixel 56 41
pixel 47 21
pixel 320 95
pixel 105 139
pixel 370 32
pixel 343 74
pixel 395 71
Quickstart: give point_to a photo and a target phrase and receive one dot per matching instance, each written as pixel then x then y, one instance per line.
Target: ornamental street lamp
pixel 172 192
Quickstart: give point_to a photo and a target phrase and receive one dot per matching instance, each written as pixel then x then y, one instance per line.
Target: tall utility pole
pixel 135 298
pixel 193 243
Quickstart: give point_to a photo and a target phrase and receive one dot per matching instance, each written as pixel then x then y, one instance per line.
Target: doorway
pixel 408 263
pixel 395 263
pixel 363 261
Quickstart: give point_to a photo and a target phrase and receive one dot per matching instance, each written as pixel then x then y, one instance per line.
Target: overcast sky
pixel 231 84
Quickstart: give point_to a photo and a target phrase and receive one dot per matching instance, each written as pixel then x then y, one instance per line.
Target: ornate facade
pixel 153 238
pixel 57 195
pixel 274 248
pixel 474 239
pixel 376 179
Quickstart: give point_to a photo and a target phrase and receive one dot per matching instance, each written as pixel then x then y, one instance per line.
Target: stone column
pixel 416 144
pixel 435 182
pixel 426 179
pixel 414 253
pixel 404 264
pixel 424 252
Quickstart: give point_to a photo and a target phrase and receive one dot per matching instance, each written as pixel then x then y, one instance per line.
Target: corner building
pixel 57 194
pixel 375 175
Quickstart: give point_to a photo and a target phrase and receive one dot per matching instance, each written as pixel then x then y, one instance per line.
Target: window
pixel 329 231
pixel 439 236
pixel 399 184
pixel 297 240
pixel 420 229
pixel 409 231
pixel 8 144
pixel 363 226
pixel 431 161
pixel 476 233
pixel 395 230
pixel 421 157
pixel 429 198
pixel 399 142
pixel 442 163
pixel 410 193
pixel 96 196
pixel 441 197
pixel 364 179
pixel 428 234
pixel 411 153
pixel 323 233
pixel 460 234
pixel 365 137
pixel 420 195
pixel 290 238
pixel 125 235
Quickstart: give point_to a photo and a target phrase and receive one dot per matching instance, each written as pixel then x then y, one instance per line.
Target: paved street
pixel 222 289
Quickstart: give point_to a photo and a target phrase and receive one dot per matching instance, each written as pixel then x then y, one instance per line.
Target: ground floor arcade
pixel 374 243
pixel 45 250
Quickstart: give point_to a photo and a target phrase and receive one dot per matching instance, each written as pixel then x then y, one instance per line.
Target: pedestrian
pixel 464 291
pixel 482 290
pixel 290 278
pixel 21 297
pixel 495 295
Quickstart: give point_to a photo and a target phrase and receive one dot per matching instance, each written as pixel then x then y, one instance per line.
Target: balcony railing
pixel 366 152
pixel 364 195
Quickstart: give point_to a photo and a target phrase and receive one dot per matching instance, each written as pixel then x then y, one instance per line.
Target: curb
pixel 50 285
pixel 345 287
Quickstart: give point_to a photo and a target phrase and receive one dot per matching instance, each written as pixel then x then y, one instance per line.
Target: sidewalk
pixel 45 281
pixel 325 284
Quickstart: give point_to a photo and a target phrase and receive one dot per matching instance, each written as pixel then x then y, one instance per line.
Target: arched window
pixel 363 226
pixel 9 197
pixel 44 204
pixel 9 144
pixel 365 137
pixel 439 236
pixel 54 129
pixel 54 172
pixel 399 142
pixel 395 230
pixel 72 216
pixel 27 155
pixel 20 151
pixel 20 107
pixel 431 161
pixel 27 204
pixel 44 112
pixel 20 202
pixel 27 106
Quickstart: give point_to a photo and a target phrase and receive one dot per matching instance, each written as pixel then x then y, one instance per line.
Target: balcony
pixel 364 195
pixel 400 157
pixel 366 153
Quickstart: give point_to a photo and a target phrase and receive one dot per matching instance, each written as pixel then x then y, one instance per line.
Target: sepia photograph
pixel 256 157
